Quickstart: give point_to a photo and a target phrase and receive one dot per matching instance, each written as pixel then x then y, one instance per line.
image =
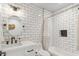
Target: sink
pixel 22 44
pixel 20 49
pixel 4 46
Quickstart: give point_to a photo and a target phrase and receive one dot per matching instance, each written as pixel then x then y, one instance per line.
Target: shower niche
pixel 63 33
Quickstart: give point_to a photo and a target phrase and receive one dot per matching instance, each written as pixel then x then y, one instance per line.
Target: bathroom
pixel 39 29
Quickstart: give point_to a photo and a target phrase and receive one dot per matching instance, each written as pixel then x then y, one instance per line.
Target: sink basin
pixel 20 49
pixel 4 46
pixel 22 44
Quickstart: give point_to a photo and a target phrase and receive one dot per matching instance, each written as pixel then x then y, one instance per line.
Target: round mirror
pixel 14 25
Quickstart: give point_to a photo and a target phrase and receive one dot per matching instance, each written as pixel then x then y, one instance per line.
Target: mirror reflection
pixel 11 26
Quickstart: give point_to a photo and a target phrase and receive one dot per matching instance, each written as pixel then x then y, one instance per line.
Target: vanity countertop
pixel 22 44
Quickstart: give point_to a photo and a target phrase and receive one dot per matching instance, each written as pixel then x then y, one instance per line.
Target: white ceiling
pixel 52 6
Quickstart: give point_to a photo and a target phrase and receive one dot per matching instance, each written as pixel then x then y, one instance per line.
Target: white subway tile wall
pixel 32 19
pixel 66 20
pixel 34 23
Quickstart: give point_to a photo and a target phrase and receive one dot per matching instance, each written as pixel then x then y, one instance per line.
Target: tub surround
pixel 67 20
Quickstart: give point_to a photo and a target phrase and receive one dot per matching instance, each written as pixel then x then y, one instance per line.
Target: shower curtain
pixel 45 34
pixel 1 30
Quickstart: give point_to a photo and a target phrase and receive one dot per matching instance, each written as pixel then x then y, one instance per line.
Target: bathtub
pixel 27 48
pixel 54 51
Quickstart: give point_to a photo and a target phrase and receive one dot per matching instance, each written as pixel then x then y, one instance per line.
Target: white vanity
pixel 23 49
pixel 26 48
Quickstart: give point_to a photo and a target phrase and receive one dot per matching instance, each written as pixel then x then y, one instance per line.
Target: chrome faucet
pixel 12 39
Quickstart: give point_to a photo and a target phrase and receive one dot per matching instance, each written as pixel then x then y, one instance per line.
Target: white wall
pixel 67 20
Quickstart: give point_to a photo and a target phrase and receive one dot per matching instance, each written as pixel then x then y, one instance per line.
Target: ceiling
pixel 52 6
